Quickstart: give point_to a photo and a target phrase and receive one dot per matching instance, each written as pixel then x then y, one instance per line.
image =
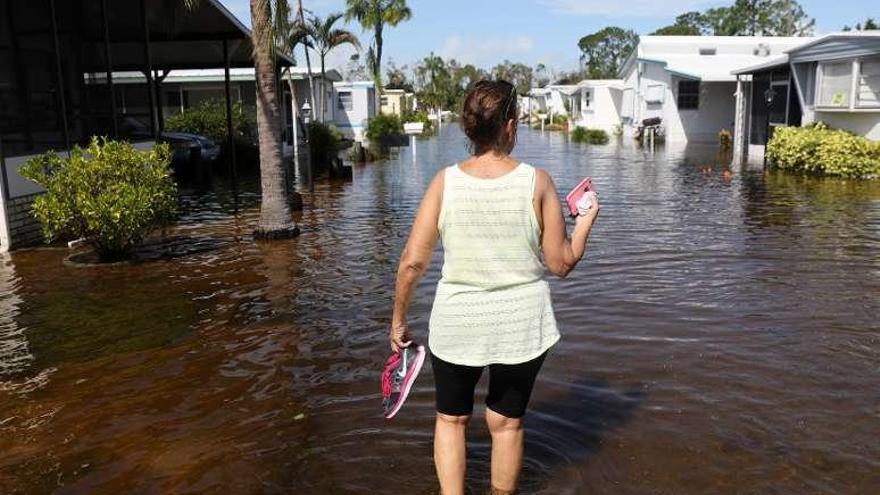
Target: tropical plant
pixel 276 221
pixel 589 136
pixel 208 119
pixel 375 15
pixel 324 38
pixel 383 128
pixel 821 150
pixel 270 28
pixel 110 194
pixel 324 144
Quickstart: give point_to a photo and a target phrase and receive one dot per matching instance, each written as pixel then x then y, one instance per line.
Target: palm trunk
pixel 323 89
pixel 276 221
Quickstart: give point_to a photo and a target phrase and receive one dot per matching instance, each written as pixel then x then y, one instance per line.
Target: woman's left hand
pixel 399 336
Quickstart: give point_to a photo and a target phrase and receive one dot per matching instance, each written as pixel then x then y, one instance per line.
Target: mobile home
pixel 687 81
pixel 834 79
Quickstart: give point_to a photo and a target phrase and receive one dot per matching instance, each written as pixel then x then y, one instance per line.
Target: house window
pixel 345 100
pixel 835 84
pixel 655 93
pixel 688 95
pixel 588 95
pixel 384 100
pixel 868 92
pixel 707 51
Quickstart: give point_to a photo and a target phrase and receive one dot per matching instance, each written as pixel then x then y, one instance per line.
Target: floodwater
pixel 721 336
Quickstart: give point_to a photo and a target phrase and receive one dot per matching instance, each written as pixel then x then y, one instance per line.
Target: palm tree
pixel 276 221
pixel 268 18
pixel 375 15
pixel 324 38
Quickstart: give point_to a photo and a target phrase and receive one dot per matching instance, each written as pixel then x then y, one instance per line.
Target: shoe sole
pixel 408 381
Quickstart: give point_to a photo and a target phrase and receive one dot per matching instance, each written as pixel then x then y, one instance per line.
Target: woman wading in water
pixel 497 218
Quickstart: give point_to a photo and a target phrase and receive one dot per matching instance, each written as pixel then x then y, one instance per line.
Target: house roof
pixel 721 55
pixel 779 61
pixel 826 47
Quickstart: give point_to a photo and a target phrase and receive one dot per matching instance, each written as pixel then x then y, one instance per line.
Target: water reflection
pixel 722 327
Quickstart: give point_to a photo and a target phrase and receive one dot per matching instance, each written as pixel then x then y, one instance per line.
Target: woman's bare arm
pixel 561 254
pixel 415 259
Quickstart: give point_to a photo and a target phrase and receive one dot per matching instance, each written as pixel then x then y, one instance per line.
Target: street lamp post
pixel 307 119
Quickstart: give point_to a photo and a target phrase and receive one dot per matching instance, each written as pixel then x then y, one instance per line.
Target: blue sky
pixel 536 31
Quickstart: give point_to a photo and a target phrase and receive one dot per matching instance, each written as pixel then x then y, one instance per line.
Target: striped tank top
pixel 492 303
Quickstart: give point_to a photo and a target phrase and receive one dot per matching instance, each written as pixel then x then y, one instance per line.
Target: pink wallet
pixel 576 194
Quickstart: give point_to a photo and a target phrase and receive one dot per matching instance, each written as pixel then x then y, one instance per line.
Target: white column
pixel 739 142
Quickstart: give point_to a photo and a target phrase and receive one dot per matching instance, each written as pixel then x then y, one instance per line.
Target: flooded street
pixel 721 336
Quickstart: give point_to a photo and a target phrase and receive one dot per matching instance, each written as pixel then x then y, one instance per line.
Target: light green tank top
pixel 492 303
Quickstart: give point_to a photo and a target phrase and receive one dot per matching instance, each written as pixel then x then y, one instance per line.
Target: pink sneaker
pixel 401 370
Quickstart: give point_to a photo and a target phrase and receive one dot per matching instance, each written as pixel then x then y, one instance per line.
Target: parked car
pixel 186 148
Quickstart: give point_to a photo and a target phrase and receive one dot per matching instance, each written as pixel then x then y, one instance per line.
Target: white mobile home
pixel 591 103
pixel 834 79
pixel 355 104
pixel 687 82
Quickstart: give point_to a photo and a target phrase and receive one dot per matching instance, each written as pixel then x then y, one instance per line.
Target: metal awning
pixel 180 38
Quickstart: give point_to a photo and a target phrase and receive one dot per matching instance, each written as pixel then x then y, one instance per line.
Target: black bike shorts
pixel 510 386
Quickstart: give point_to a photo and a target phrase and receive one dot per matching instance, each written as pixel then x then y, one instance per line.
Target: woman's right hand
pixel 399 336
pixel 588 209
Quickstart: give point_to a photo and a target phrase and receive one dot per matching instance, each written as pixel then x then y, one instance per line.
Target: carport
pixel 58 57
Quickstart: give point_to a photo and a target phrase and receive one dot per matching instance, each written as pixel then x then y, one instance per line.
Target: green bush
pixel 209 119
pixel 384 131
pixel 422 117
pixel 109 193
pixel 821 150
pixel 324 143
pixel 589 136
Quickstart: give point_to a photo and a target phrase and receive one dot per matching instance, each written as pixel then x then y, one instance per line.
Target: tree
pixel 869 25
pixel 687 24
pixel 375 15
pixel 270 20
pixel 324 38
pixel 541 75
pixel 520 75
pixel 433 78
pixel 603 52
pixel 759 18
pixel 276 221
pixel 397 78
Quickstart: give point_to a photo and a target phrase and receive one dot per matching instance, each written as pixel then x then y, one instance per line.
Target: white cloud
pixel 629 8
pixel 485 51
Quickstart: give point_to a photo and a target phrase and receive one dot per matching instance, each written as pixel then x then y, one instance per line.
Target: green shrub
pixel 209 119
pixel 589 136
pixel 560 119
pixel 820 150
pixel 324 143
pixel 109 193
pixel 419 117
pixel 384 131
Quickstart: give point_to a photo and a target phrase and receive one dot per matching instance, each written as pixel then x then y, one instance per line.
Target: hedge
pixel 818 149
